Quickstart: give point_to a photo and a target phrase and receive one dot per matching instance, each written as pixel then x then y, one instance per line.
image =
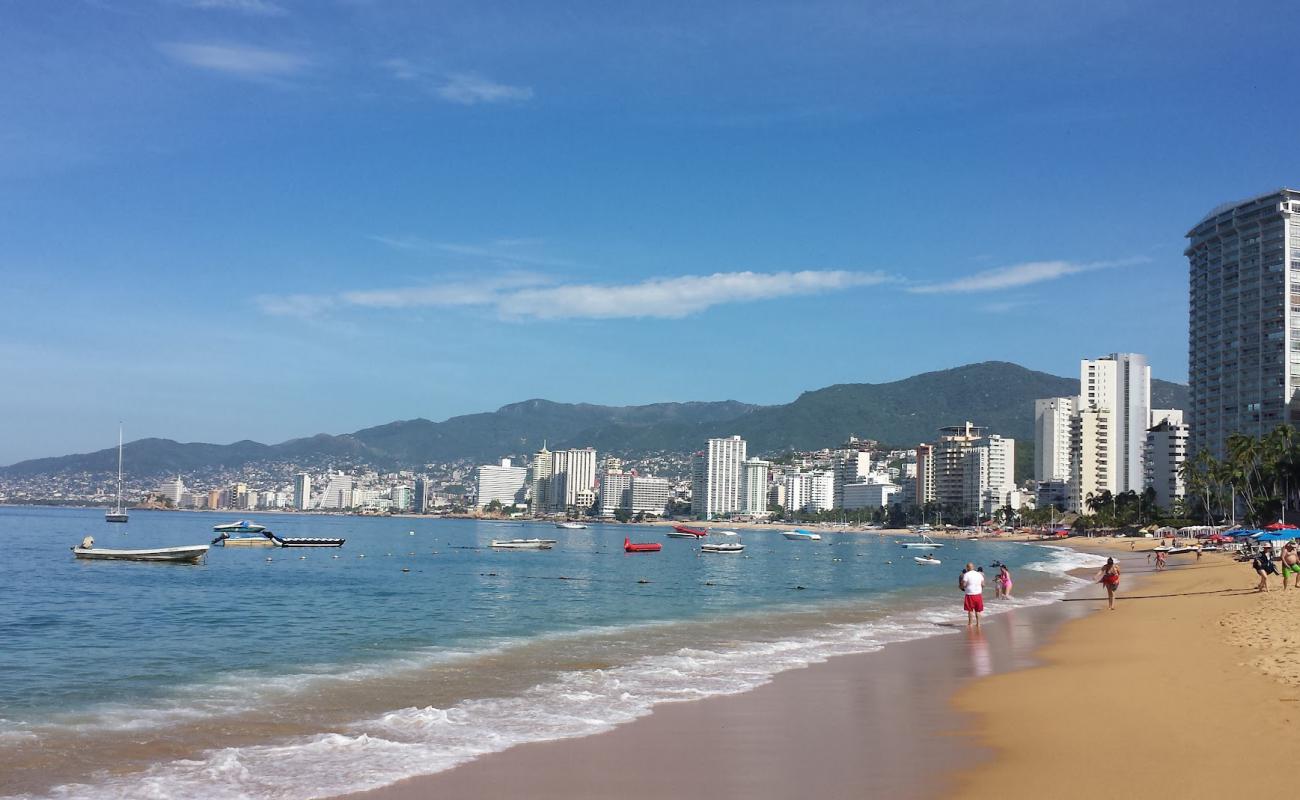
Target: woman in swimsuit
pixel 1004 581
pixel 1109 578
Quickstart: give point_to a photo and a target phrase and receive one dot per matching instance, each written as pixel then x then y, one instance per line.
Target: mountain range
pixel 995 394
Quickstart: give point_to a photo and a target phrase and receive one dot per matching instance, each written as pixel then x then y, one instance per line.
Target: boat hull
pixel 722 548
pixel 115 518
pixel 189 554
pixel 247 541
pixel 796 536
pixel 307 542
pixel 521 544
pixel 929 562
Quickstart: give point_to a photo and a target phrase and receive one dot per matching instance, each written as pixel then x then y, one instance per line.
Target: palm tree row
pixel 1257 476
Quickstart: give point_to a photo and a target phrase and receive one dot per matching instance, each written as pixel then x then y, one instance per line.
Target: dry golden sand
pixel 1169 696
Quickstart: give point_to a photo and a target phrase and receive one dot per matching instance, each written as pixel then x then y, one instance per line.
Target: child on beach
pixel 1109 577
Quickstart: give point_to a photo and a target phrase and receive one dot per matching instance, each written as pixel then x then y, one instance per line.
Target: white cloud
pixel 529 296
pixel 673 298
pixel 468 88
pixel 263 8
pixel 241 61
pixel 1015 276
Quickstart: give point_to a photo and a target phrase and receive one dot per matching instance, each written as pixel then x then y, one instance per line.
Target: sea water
pixel 286 673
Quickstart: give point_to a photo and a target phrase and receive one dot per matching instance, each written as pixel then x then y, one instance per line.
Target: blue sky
pixel 226 219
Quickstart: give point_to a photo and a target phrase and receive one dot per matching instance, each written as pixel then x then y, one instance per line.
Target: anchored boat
pixel 801 535
pixel 303 541
pixel 722 547
pixel 522 544
pixel 687 532
pixel 926 543
pixel 927 560
pixel 187 554
pixel 570 525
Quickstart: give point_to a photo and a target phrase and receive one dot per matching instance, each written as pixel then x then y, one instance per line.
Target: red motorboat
pixel 686 532
pixel 630 546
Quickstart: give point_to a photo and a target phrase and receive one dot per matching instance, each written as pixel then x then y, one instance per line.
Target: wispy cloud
pixel 464 88
pixel 503 251
pixel 261 8
pixel 469 89
pixel 525 296
pixel 241 61
pixel 1015 276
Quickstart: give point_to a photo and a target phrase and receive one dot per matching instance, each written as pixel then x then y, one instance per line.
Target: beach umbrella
pixel 1277 536
pixel 1280 526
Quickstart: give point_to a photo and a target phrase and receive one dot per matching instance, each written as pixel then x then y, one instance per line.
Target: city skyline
pixel 268 220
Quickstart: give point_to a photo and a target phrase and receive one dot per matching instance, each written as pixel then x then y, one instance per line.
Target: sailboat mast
pixel 119 467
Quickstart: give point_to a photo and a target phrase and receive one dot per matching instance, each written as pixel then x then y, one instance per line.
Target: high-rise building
pixel 990 475
pixel 572 480
pixel 753 496
pixel 715 489
pixel 172 491
pixel 1092 452
pixel 810 491
pixel 503 483
pixel 869 495
pixel 401 497
pixel 924 483
pixel 1121 384
pixel 1165 453
pixel 214 498
pixel 539 481
pixel 338 492
pixel 851 466
pixel 650 495
pixel 302 491
pixel 420 497
pixel 1244 328
pixel 238 496
pixel 949 455
pixel 615 493
pixel 1052 438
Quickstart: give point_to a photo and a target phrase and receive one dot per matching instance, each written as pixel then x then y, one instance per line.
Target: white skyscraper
pixel 753 498
pixel 338 492
pixel 1052 438
pixel 1121 384
pixel 1092 458
pixel 172 491
pixel 716 485
pixel 503 483
pixel 615 493
pixel 650 495
pixel 990 474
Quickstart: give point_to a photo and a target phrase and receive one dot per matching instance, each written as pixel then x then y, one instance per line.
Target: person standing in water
pixel 971 584
pixel 1109 578
pixel 1003 581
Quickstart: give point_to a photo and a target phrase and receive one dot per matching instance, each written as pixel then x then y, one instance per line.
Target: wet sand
pixel 874 725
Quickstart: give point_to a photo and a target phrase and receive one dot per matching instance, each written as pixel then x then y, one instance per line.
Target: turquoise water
pixel 244 677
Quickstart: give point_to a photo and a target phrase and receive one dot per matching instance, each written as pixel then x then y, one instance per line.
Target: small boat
pixel 243 526
pixel 687 532
pixel 1177 551
pixel 303 541
pixel 571 526
pixel 522 544
pixel 722 533
pixel 801 535
pixel 926 543
pixel 630 546
pixel 722 547
pixel 928 560
pixel 190 554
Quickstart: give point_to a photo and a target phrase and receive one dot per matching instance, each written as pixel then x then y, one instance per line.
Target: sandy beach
pixel 1161 698
pixel 1065 700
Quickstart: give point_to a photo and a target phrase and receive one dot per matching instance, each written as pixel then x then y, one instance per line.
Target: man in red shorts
pixel 972 587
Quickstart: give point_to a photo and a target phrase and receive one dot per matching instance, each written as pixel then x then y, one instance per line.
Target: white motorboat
pixel 522 544
pixel 571 526
pixel 242 526
pixel 801 535
pixel 185 554
pixel 926 543
pixel 263 539
pixel 928 560
pixel 722 547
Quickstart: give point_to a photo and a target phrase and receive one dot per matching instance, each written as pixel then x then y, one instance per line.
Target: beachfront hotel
pixel 1244 326
pixel 716 478
pixel 1052 438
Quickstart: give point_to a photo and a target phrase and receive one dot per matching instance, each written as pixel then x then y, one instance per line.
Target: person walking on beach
pixel 1264 566
pixel 971 584
pixel 1160 560
pixel 1290 564
pixel 1109 578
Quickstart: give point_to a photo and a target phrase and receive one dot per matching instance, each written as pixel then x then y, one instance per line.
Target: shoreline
pixel 776 740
